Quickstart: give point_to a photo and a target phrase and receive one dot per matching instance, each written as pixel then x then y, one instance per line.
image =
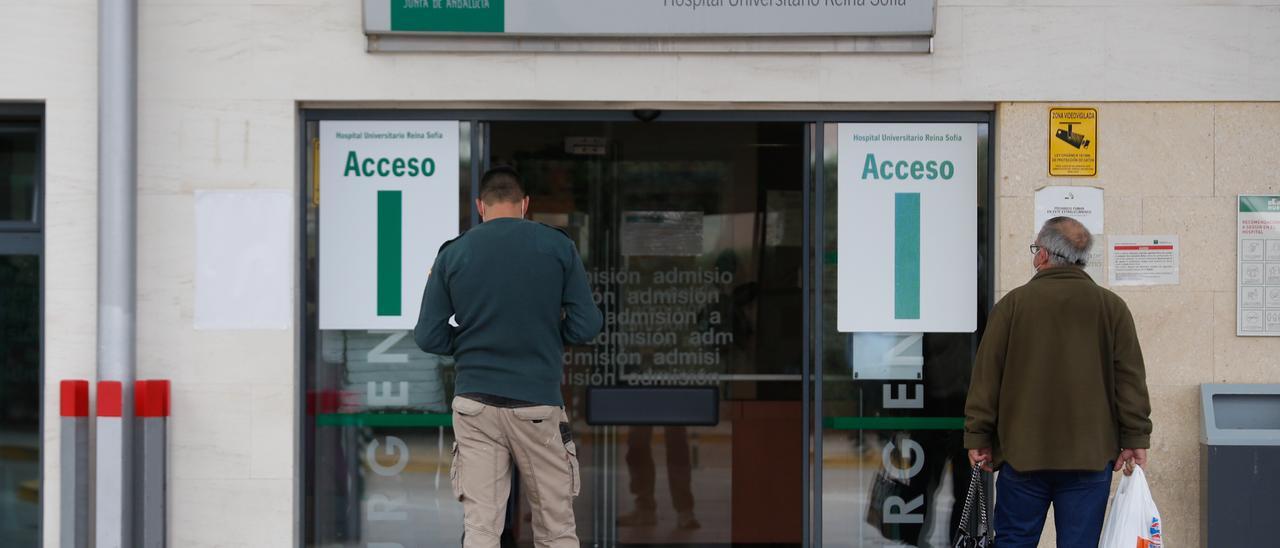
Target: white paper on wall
pixel 1082 203
pixel 244 259
pixel 1144 260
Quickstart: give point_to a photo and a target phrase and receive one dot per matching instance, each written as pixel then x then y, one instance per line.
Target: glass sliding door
pixel 376 422
pixel 893 466
pixel 710 240
pixel 692 235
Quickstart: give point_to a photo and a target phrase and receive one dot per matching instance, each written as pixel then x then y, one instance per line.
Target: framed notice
pixel 388 200
pixel 907 207
pixel 1258 266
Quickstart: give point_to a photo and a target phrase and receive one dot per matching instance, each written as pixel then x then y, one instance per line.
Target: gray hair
pixel 1066 240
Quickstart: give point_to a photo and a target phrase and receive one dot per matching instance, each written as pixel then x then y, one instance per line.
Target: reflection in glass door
pixel 691 233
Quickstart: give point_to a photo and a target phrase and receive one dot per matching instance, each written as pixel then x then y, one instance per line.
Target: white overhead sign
pixel 1258 292
pixel 641 18
pixel 907 228
pixel 388 199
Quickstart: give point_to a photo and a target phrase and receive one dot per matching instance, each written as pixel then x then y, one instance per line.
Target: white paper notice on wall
pixel 1144 260
pixel 388 200
pixel 1084 204
pixel 908 222
pixel 244 259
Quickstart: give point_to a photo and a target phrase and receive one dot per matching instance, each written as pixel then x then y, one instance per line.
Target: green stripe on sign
pixel 389 252
pixel 448 15
pixel 906 256
pixel 413 420
pixel 894 423
pixel 1259 204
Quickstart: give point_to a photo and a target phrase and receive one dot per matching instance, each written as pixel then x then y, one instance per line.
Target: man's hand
pixel 980 455
pixel 1128 458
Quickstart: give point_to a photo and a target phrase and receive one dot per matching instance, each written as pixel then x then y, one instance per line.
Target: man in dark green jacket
pixel 1058 398
pixel 504 298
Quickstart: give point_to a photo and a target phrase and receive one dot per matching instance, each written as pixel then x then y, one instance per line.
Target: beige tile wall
pixel 1167 168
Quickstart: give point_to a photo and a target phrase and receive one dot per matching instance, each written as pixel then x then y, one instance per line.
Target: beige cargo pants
pixel 489 439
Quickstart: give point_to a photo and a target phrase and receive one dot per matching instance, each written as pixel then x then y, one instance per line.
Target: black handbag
pixel 884 486
pixel 981 536
pixel 888 484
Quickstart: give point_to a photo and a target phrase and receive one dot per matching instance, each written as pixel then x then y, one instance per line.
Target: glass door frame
pixel 27 238
pixel 812 235
pixel 986 279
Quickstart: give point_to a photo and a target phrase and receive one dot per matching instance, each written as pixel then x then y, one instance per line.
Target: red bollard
pixel 151 406
pixel 74 468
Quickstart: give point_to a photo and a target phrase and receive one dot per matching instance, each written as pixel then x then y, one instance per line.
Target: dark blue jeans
pixel 1022 502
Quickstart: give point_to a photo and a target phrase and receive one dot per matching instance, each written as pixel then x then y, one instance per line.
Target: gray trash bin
pixel 1240 465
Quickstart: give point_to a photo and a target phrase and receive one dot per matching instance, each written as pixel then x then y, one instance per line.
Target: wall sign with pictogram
pixel 1073 142
pixel 1258 248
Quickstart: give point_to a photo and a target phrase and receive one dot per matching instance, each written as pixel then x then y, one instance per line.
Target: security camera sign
pixel 1073 142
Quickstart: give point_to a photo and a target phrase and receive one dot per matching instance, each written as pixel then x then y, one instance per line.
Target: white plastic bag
pixel 1134 521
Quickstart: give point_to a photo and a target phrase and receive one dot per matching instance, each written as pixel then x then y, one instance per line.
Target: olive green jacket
pixel 1059 382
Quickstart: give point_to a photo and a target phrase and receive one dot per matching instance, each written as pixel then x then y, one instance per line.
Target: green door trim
pixel 893 423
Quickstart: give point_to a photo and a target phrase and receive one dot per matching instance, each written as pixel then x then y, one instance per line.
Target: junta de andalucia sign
pixel 652 18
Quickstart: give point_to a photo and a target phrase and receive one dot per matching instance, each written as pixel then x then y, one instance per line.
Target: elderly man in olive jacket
pixel 1058 399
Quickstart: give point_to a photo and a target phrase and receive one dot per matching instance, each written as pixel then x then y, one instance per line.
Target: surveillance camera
pixel 646 114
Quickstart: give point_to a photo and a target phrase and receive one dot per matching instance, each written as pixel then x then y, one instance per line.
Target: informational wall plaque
pixel 1258 292
pixel 753 18
pixel 388 199
pixel 1084 204
pixel 908 215
pixel 1073 142
pixel 1144 260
